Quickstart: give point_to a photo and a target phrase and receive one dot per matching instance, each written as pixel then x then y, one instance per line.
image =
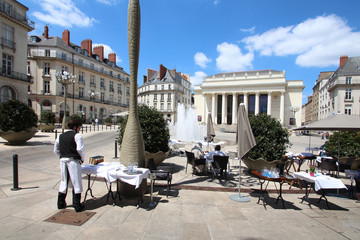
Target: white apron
pixel 73 168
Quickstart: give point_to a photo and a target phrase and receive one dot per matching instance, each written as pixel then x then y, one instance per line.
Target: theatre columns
pixel 234 108
pixel 269 104
pixel 282 102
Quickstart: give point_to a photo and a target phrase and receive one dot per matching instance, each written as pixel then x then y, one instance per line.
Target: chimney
pixel 46 32
pixel 99 50
pixel 162 72
pixel 145 79
pixel 66 36
pixel 87 45
pixel 343 60
pixel 112 57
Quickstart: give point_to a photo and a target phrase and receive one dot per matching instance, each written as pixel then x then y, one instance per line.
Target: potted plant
pixel 272 139
pixel 47 120
pixel 17 121
pixel 108 121
pixel 155 133
pixel 312 171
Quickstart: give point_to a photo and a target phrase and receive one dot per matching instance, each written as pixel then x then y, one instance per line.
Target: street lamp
pixel 294 109
pixel 65 78
pixel 93 95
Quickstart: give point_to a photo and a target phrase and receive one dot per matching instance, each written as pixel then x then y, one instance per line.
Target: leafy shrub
pixel 76 117
pixel 47 117
pixel 121 119
pixel 108 120
pixel 17 116
pixel 349 144
pixel 271 138
pixel 153 127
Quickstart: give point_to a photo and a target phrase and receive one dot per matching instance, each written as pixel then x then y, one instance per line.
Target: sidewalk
pixel 186 214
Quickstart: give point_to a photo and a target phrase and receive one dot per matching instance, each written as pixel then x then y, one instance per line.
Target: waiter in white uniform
pixel 70 148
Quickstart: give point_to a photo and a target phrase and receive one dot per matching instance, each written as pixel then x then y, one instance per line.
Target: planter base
pixel 17 137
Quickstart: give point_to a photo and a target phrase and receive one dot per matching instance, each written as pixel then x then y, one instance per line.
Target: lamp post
pixel 65 78
pixel 93 95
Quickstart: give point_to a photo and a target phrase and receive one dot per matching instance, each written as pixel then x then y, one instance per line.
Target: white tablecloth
pixel 114 170
pixel 321 181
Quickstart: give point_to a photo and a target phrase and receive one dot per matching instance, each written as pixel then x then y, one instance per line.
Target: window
pixel 119 89
pixel 46 87
pixel 46 69
pixel 91 66
pixel 127 91
pixel 169 107
pixel 101 69
pixel 8 36
pixel 81 77
pixel 102 83
pixel 92 81
pixel 348 80
pixel 155 105
pixel 162 107
pixel 7 8
pixel 81 62
pixel 155 97
pixel 102 97
pixel 6 94
pixel 162 87
pixel 169 86
pixel 28 70
pixel 169 97
pixel 81 93
pixel 162 96
pixel 111 86
pixel 111 73
pixel 47 52
pixel 7 64
pixel 348 109
pixel 155 87
pixel 118 76
pixel 63 56
pixel 348 94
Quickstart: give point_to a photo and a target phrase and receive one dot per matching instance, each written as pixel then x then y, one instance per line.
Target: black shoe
pixel 61 204
pixel 79 207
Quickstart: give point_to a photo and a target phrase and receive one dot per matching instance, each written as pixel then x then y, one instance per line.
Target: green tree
pixel 271 138
pixel 349 144
pixel 47 117
pixel 154 129
pixel 77 117
pixel 17 116
pixel 108 120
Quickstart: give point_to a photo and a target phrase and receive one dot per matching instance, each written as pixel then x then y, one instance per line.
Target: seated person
pixel 217 151
pixel 198 153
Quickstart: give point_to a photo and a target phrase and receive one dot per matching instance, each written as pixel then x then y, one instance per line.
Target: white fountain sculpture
pixel 187 128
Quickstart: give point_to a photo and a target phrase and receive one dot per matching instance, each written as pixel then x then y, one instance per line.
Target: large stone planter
pixel 17 137
pixel 259 164
pixel 46 127
pixel 158 157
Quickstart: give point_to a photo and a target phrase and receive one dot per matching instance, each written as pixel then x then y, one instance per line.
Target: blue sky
pixel 206 37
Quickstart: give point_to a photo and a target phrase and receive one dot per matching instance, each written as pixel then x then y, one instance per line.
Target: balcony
pixel 13 14
pixel 8 43
pixel 349 99
pixel 15 75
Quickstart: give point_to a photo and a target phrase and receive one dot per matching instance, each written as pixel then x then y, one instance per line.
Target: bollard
pixel 86 129
pixel 82 130
pixel 115 149
pixel 55 134
pixel 102 127
pixel 15 173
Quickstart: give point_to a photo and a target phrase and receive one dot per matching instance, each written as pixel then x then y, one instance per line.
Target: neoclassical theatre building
pixel 262 91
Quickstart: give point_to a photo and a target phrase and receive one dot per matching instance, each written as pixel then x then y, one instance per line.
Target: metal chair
pixel 163 173
pixel 220 165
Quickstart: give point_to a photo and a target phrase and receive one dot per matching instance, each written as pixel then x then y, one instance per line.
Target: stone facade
pixel 94 73
pixel 14 82
pixel 263 91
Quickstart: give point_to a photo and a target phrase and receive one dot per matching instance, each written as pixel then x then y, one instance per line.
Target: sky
pixel 206 37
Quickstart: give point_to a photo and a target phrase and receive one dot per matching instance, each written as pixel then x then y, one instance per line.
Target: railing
pixel 8 43
pixel 15 75
pixel 21 18
pixel 35 53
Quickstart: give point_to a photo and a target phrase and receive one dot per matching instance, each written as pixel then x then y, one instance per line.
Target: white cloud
pixel 316 41
pixel 232 59
pixel 107 2
pixel 107 50
pixel 216 2
pixel 198 78
pixel 248 30
pixel 201 59
pixel 63 13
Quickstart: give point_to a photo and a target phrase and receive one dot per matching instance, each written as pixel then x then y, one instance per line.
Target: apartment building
pixel 164 90
pixel 14 82
pixel 101 87
pixel 344 88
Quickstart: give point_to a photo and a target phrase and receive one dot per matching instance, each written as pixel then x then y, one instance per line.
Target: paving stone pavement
pixel 185 214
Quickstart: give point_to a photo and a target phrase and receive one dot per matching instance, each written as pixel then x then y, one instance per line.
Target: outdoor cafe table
pixel 113 171
pixel 320 182
pixel 262 180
